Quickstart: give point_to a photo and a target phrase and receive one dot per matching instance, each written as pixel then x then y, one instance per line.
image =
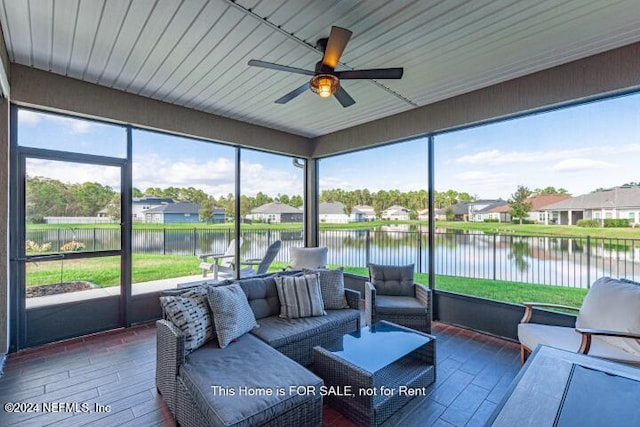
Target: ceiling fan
pixel 325 81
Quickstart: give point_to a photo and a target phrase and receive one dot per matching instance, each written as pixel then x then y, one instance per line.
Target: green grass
pixel 105 272
pixel 499 290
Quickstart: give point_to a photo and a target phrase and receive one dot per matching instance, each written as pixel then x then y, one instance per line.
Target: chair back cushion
pixel 307 258
pixel 262 295
pixel 393 280
pixel 613 305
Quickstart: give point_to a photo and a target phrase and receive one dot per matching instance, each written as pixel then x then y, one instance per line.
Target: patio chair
pixel 311 258
pixel 607 326
pixel 263 263
pixel 392 295
pixel 219 263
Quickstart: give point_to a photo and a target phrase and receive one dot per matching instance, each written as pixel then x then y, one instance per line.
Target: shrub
pixel 36 248
pixel 491 220
pixel 72 246
pixel 616 223
pixel 589 223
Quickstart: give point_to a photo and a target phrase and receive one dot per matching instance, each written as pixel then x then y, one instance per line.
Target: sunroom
pixel 137 138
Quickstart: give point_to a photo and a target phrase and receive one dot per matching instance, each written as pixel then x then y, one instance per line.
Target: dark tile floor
pixel 115 371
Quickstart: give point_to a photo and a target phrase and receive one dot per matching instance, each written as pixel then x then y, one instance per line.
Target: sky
pixel 579 148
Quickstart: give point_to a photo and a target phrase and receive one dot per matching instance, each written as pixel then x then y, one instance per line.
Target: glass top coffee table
pixel 372 373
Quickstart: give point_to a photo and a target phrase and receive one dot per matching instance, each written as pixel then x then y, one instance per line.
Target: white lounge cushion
pixel 613 305
pixel 532 334
pixel 311 258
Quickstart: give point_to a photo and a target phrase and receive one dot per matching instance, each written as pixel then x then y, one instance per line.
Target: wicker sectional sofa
pixel 272 357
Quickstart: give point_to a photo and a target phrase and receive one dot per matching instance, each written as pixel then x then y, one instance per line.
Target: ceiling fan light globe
pixel 324 85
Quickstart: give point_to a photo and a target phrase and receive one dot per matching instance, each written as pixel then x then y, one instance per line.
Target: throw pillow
pixel 232 315
pixel 299 296
pixel 331 287
pixel 189 312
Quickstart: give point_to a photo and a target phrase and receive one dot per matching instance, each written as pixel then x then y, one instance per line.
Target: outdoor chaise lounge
pixel 607 326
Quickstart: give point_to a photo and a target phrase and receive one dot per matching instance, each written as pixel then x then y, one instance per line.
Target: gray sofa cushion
pixel 408 306
pixel 262 295
pixel 277 331
pixel 247 363
pixel 392 279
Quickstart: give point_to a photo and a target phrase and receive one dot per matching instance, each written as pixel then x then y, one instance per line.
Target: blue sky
pixel 579 148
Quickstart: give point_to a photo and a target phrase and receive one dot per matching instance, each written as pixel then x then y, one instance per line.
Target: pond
pixel 574 262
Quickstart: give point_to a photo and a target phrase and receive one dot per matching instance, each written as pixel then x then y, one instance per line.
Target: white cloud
pixel 74 126
pixel 74 173
pixel 28 118
pixel 498 157
pixel 624 148
pixel 216 177
pixel 579 164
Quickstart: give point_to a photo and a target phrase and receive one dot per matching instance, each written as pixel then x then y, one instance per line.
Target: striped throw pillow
pixel 299 296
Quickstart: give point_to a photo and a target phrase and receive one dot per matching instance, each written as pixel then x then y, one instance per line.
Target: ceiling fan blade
pixel 380 73
pixel 344 98
pixel 338 39
pixel 288 97
pixel 271 65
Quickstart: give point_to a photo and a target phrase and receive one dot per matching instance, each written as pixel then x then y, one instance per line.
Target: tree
pixel 296 201
pixel 519 207
pixel 450 214
pixel 207 208
pixel 550 190
pixel 113 208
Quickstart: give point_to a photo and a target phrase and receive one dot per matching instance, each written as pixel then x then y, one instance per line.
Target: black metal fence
pixel 564 261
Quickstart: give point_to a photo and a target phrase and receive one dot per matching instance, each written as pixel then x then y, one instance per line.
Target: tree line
pixel 51 197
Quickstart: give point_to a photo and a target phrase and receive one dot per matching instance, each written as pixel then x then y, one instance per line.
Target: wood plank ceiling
pixel 194 52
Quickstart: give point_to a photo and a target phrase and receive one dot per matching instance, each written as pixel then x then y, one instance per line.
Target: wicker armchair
pixel 393 296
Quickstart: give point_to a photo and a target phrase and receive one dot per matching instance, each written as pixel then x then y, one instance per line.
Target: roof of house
pixel 331 208
pixel 275 208
pixel 396 210
pixel 365 209
pixel 176 208
pixel 461 208
pixel 491 208
pixel 542 200
pixel 483 202
pixel 151 200
pixel 618 197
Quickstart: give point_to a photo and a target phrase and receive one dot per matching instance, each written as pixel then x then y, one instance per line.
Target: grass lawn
pixel 515 292
pixel 106 272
